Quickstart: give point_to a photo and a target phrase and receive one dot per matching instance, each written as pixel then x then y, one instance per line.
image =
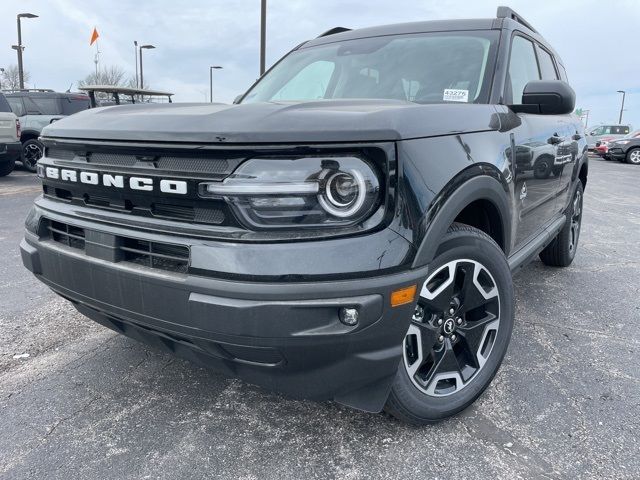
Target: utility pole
pixel 19 48
pixel 1 72
pixel 624 94
pixel 135 46
pixel 211 68
pixel 263 35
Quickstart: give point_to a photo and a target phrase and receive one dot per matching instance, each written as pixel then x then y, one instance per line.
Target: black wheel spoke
pixel 472 334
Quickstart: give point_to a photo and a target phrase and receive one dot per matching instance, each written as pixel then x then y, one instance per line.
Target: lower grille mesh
pixel 163 256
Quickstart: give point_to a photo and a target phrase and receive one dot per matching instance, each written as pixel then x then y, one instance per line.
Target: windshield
pixel 422 68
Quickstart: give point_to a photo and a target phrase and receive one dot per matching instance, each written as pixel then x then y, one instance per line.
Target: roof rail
pixel 18 90
pixel 333 31
pixel 506 12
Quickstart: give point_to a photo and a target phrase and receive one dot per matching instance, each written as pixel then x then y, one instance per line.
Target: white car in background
pixel 10 146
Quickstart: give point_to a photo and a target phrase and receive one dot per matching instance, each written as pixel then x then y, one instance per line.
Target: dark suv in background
pixel 36 109
pixel 347 231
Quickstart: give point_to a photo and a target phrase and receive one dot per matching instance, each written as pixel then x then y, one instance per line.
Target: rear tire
pixel 562 250
pixel 32 151
pixel 633 156
pixel 458 335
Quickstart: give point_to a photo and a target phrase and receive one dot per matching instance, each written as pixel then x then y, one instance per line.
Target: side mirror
pixel 547 97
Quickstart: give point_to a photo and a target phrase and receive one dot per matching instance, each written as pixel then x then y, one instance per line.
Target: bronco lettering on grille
pixel 116 181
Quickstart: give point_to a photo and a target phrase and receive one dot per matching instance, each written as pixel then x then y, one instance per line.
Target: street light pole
pixel 624 94
pixel 20 47
pixel 147 47
pixel 211 68
pixel 263 35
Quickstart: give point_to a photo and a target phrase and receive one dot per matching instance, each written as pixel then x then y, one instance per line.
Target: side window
pixel 523 67
pixel 47 106
pixel 547 69
pixel 16 106
pixel 309 84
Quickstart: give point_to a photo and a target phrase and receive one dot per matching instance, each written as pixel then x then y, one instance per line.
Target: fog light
pixel 349 316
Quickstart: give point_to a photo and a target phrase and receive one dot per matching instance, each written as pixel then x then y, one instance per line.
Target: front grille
pixel 158 255
pixel 66 234
pixel 164 256
pixel 193 164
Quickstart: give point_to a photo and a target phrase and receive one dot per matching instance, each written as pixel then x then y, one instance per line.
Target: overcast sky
pixel 596 39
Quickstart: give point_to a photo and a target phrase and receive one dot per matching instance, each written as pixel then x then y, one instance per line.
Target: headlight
pixel 299 192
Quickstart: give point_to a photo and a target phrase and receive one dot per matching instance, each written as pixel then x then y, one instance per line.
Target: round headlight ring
pixel 334 206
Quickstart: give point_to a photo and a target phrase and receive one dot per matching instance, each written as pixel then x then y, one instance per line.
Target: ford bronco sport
pixel 36 109
pixel 346 231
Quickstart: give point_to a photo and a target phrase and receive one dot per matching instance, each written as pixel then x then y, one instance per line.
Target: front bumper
pixel 617 153
pixel 285 336
pixel 10 152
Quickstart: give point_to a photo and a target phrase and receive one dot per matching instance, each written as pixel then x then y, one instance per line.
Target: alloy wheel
pixel 32 153
pixel 634 156
pixel 453 329
pixel 576 218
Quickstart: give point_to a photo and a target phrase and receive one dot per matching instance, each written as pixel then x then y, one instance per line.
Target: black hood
pixel 306 122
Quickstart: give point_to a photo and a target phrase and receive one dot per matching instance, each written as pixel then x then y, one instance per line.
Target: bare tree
pixel 131 83
pixel 113 75
pixel 11 78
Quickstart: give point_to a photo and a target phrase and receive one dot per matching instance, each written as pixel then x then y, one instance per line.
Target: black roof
pixel 411 27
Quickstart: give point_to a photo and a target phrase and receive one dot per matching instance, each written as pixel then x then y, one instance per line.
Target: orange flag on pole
pixel 94 36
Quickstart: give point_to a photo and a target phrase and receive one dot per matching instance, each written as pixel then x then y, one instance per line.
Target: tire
pixel 562 250
pixel 32 151
pixel 7 168
pixel 542 167
pixel 432 385
pixel 633 156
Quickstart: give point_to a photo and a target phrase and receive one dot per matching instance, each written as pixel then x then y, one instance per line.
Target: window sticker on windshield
pixel 455 95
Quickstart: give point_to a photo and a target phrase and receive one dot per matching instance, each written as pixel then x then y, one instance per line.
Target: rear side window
pixel 4 105
pixel 71 105
pixel 17 106
pixel 523 68
pixel 547 69
pixel 43 106
pixel 619 130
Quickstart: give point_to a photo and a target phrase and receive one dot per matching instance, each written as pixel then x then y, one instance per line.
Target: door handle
pixel 554 140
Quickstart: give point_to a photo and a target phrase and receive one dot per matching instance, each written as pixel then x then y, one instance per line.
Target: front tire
pixel 459 332
pixel 562 250
pixel 633 156
pixel 32 151
pixel 7 168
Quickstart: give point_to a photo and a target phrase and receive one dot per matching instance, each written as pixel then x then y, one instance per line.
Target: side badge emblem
pixel 523 192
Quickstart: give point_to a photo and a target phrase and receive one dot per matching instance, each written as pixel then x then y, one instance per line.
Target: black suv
pixel 347 231
pixel 38 108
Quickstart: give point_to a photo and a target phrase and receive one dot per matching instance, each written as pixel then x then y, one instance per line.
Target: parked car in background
pixel 36 109
pixel 625 149
pixel 602 146
pixel 10 147
pixel 609 131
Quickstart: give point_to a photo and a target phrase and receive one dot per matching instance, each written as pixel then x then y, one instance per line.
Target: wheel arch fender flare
pixel 29 135
pixel 484 187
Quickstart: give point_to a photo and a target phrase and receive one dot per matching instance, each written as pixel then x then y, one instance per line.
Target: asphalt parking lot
pixel 87 403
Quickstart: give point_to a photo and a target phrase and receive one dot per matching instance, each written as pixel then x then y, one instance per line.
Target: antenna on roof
pixel 333 31
pixel 506 12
